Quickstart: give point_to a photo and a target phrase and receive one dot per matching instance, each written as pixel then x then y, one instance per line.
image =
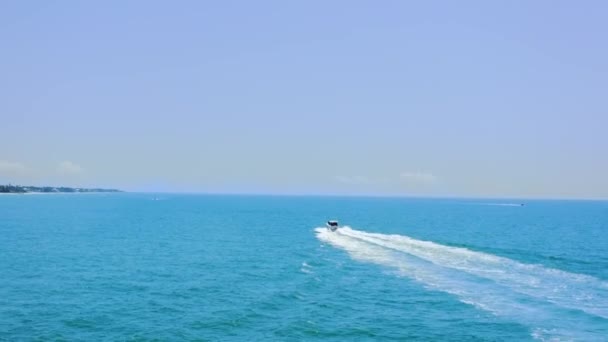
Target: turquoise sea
pixel 165 267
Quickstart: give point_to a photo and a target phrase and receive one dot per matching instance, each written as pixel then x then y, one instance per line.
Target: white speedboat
pixel 332 225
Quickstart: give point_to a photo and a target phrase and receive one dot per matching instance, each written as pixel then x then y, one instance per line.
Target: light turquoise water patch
pixel 193 267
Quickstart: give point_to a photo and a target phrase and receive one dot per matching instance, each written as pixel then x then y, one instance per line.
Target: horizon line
pixel 418 196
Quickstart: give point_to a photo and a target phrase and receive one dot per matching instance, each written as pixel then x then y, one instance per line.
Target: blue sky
pixel 468 98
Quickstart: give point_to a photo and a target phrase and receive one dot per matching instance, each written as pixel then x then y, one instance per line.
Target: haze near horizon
pixel 499 99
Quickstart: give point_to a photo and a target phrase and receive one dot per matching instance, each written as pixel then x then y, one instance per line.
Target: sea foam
pixel 528 294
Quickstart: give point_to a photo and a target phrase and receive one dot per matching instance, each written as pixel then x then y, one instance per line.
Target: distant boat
pixel 332 225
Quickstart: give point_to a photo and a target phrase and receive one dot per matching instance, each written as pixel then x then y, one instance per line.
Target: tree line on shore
pixel 21 189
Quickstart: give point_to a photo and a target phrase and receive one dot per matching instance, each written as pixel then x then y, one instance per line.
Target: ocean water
pixel 164 267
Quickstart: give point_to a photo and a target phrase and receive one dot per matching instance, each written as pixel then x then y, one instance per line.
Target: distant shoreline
pixel 60 193
pixel 22 189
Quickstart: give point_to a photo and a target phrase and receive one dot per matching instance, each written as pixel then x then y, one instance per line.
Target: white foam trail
pixel 575 291
pixel 526 293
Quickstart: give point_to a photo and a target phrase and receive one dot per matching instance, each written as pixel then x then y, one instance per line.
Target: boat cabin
pixel 332 225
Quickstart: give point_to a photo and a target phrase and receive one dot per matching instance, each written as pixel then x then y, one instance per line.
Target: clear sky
pixel 458 98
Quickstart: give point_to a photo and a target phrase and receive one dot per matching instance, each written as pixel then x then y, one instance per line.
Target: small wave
pixel 527 293
pixel 306 268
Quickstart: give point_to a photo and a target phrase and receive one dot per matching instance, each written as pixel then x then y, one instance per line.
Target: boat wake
pixel 543 298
